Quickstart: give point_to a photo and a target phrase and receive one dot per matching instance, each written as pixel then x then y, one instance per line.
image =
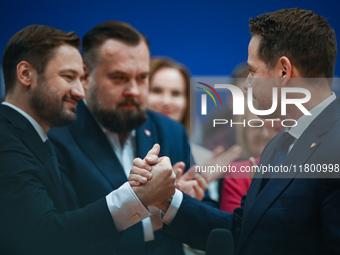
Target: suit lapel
pixel 92 140
pixel 42 152
pixel 34 143
pixel 255 186
pixel 259 203
pixel 146 137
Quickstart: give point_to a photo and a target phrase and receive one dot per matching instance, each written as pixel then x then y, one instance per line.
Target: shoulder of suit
pixel 12 145
pixel 8 132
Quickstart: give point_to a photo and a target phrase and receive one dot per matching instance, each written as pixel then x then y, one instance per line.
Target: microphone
pixel 220 242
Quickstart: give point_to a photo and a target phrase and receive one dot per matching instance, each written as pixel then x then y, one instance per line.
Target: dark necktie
pixel 53 156
pixel 278 156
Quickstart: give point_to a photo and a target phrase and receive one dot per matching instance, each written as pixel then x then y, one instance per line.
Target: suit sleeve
pixel 194 221
pixel 233 191
pixel 30 223
pixel 330 211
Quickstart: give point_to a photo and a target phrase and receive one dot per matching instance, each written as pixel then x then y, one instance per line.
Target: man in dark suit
pixel 113 127
pixel 43 70
pixel 295 212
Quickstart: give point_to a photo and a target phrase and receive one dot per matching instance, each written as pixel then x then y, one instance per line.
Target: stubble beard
pixel 48 107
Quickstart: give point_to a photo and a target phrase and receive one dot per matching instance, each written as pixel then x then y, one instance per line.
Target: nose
pixel 77 91
pixel 247 83
pixel 132 89
pixel 166 99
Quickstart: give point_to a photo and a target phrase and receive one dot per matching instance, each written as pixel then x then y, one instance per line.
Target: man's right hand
pixel 160 188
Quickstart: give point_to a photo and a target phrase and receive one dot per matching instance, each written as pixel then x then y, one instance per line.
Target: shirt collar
pixel 35 124
pixel 305 120
pixel 115 137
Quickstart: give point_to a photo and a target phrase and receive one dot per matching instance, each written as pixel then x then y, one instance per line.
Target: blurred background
pixel 210 37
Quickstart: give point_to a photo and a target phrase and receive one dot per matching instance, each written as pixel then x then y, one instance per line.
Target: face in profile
pixel 167 93
pixel 261 80
pixel 116 89
pixel 55 95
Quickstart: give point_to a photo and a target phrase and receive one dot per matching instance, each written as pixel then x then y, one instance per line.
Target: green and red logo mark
pixel 213 90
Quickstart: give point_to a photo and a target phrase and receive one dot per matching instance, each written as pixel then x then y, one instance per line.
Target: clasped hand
pixel 154 180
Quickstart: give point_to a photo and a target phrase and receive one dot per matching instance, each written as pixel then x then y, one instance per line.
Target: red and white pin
pixel 147 132
pixel 312 145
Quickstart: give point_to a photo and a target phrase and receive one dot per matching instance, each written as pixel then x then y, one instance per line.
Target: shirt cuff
pixel 173 208
pixel 148 230
pixel 125 207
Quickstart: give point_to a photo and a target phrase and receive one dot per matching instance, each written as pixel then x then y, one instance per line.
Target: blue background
pixel 210 37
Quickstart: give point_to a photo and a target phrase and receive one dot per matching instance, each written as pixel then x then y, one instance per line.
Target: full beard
pixel 118 120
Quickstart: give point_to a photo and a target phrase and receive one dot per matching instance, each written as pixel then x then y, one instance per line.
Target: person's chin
pixel 69 114
pixel 69 111
pixel 69 107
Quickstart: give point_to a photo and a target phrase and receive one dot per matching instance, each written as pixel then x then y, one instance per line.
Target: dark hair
pixel 158 63
pixel 116 30
pixel 301 35
pixel 35 44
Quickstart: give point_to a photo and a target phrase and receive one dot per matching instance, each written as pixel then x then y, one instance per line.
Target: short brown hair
pixel 158 63
pixel 301 35
pixel 116 30
pixel 35 44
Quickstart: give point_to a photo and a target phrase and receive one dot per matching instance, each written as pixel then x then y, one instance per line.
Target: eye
pixel 156 90
pixel 143 77
pixel 176 93
pixel 119 78
pixel 68 77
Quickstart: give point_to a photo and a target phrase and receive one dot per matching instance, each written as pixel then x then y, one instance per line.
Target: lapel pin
pixel 147 132
pixel 312 145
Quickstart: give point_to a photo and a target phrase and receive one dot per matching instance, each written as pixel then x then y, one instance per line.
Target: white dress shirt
pixel 126 155
pixel 124 206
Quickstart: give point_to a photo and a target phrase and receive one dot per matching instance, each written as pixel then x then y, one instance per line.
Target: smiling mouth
pixel 71 102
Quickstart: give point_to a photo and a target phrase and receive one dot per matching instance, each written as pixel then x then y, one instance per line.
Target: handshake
pixel 154 180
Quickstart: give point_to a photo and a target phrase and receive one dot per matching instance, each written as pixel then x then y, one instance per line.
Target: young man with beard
pixel 113 127
pixel 294 212
pixel 43 71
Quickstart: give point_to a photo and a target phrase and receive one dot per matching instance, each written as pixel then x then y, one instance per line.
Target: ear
pixel 86 79
pixel 25 73
pixel 284 67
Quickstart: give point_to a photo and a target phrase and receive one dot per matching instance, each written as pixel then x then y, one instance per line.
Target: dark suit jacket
pixel 34 214
pixel 290 215
pixel 86 156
